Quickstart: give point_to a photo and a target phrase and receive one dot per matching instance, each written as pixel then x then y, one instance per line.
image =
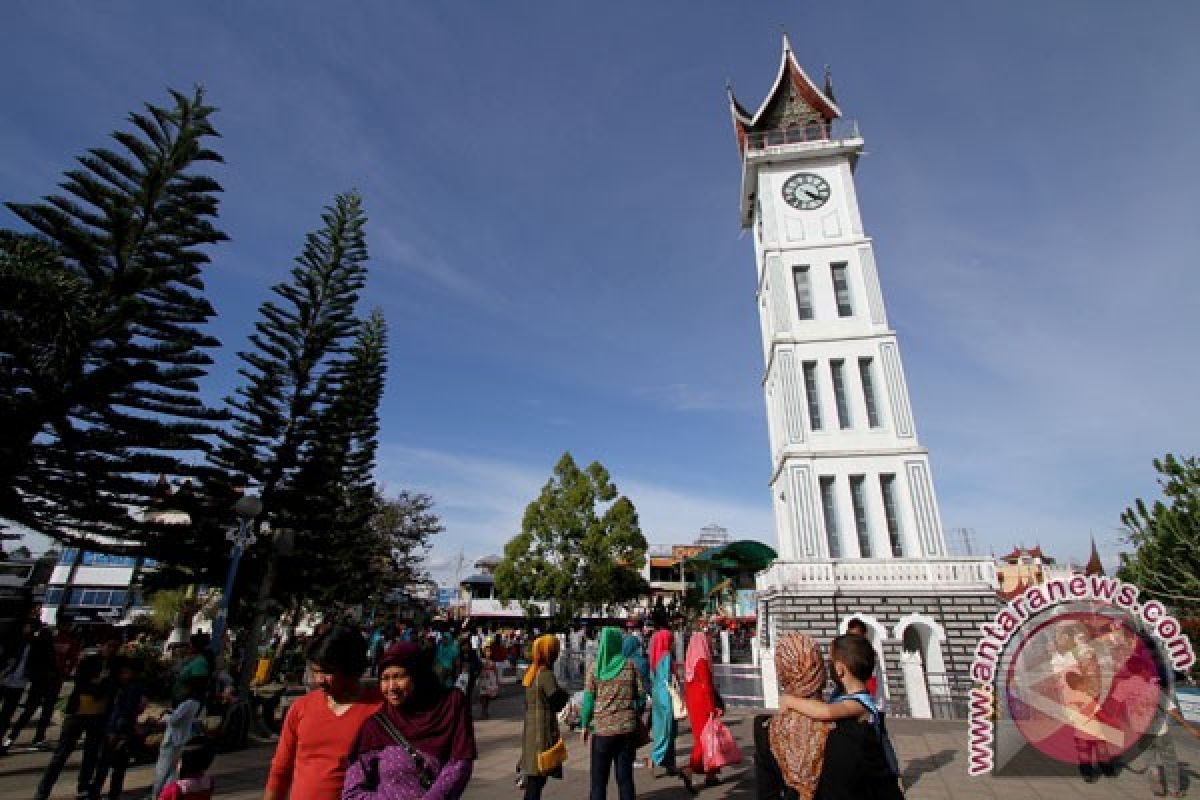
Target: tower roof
pixel 792 99
pixel 1094 566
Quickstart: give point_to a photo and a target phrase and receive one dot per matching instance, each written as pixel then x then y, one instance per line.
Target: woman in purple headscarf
pixel 421 744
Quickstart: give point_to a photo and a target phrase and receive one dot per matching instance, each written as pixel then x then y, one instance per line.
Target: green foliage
pixel 157 675
pixel 345 556
pixel 166 606
pixel 404 525
pixel 580 545
pixel 101 309
pixel 1166 537
pixel 305 420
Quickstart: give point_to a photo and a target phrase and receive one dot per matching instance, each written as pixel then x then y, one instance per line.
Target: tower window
pixel 841 290
pixel 838 370
pixel 887 487
pixel 804 309
pixel 810 392
pixel 868 387
pixel 860 515
pixel 829 504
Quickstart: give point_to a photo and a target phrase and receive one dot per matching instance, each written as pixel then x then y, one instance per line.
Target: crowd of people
pixel 103 710
pixel 390 713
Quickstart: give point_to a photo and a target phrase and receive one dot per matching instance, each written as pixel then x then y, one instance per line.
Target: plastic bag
pixel 720 750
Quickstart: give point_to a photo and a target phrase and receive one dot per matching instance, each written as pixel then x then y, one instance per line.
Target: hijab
pixel 434 720
pixel 631 648
pixel 698 650
pixel 798 742
pixel 544 651
pixel 609 656
pixel 660 645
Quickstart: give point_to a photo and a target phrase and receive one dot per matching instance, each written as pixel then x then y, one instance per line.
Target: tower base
pixel 923 619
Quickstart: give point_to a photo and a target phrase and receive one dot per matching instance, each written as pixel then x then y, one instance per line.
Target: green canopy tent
pixel 718 569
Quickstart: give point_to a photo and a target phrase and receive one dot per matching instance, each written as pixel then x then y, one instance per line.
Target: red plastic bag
pixel 720 750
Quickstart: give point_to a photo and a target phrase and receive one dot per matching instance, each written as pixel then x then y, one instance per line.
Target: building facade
pixel 856 514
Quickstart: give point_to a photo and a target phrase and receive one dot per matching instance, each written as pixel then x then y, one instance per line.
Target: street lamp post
pixel 247 507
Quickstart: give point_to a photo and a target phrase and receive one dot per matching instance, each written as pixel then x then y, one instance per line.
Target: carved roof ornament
pixel 794 100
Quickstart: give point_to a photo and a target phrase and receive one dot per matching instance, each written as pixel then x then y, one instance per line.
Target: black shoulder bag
pixel 424 777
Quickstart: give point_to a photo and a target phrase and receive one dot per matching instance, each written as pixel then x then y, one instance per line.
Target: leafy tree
pixel 101 310
pixel 580 545
pixel 1165 563
pixel 173 608
pixel 402 528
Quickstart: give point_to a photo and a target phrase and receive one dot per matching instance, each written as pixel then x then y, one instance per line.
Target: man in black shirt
pixel 87 712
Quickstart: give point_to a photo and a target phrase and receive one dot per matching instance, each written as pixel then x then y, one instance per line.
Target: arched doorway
pixel 922 666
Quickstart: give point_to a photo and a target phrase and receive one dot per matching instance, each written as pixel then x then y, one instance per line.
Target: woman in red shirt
pixel 320 728
pixel 702 701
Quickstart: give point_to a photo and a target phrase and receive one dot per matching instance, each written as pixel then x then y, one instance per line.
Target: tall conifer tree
pixel 98 392
pixel 334 496
pixel 295 371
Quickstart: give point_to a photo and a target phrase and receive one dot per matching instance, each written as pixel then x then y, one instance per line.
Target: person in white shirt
pixel 180 724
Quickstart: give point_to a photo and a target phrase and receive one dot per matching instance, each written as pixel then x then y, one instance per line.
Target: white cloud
pixel 404 253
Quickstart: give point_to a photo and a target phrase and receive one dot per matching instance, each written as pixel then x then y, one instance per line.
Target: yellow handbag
pixel 552 759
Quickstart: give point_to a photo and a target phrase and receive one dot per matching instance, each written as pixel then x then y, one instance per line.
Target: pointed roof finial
pixel 787 43
pixel 1094 566
pixel 829 84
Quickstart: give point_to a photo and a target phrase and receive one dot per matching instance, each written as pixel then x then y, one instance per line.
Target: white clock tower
pixel 853 496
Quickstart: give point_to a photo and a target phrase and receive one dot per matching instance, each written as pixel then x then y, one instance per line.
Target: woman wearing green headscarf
pixel 613 698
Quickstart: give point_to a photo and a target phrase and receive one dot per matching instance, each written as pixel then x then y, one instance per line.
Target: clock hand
pixel 811 195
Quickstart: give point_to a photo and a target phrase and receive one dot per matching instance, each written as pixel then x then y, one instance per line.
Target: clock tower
pixel 856 514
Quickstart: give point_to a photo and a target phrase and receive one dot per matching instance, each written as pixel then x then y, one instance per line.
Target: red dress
pixel 700 698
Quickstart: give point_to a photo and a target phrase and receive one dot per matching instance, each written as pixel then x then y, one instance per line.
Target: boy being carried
pixel 860 762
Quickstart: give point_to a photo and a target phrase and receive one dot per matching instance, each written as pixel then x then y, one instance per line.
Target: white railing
pixel 812 133
pixel 957 573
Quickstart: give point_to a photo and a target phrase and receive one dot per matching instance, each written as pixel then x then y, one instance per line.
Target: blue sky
pixel 552 193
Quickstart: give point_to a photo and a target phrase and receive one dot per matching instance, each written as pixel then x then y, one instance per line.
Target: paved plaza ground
pixel 933 754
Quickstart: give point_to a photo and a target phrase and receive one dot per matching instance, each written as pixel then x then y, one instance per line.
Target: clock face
pixel 806 191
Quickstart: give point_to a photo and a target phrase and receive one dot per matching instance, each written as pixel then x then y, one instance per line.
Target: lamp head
pixel 248 506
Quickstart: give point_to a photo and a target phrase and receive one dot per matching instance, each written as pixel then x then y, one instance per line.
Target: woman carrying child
pixel 855 759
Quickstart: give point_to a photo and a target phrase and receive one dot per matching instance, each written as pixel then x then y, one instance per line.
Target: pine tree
pixel 294 371
pixel 1165 536
pixel 98 393
pixel 342 556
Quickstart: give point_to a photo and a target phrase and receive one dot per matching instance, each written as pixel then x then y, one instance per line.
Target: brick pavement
pixel 933 754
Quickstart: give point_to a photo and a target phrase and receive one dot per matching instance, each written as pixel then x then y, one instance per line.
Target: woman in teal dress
pixel 635 653
pixel 662 715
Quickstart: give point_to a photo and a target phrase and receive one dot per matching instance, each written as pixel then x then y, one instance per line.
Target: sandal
pixel 686 776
